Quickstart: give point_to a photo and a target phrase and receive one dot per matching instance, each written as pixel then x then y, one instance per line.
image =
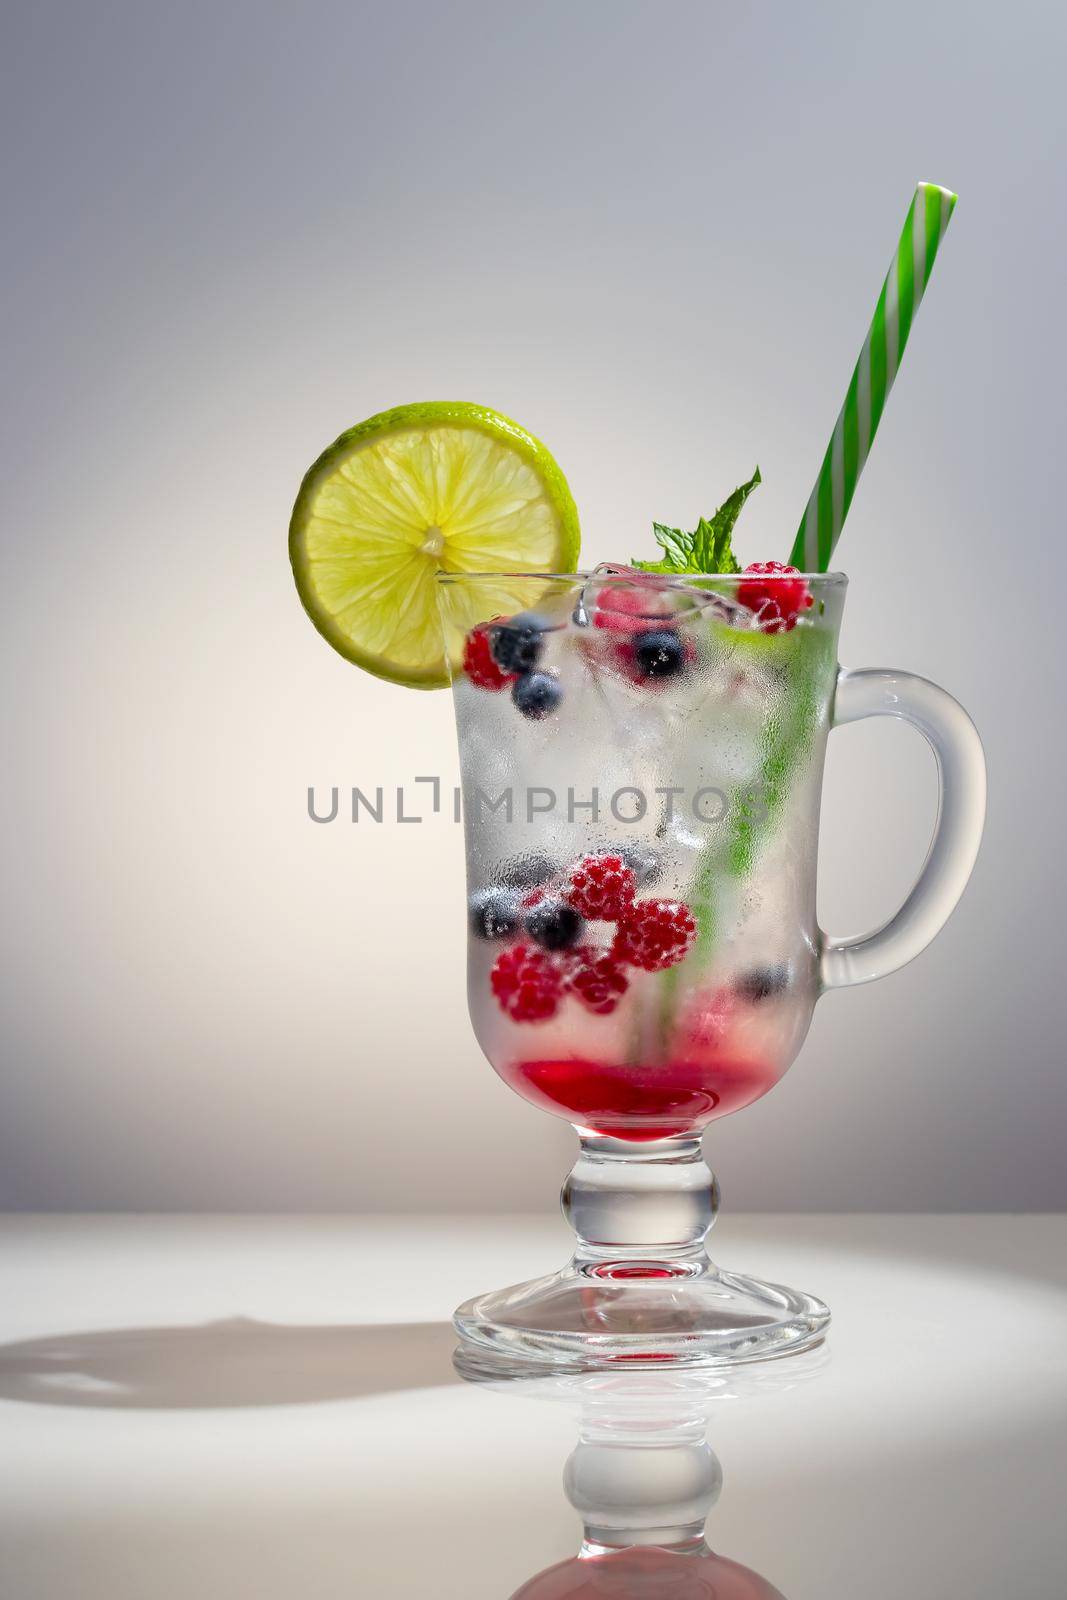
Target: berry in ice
pixel 645 862
pixel 602 887
pixel 776 593
pixel 493 914
pixel 659 653
pixel 478 663
pixel 596 980
pixel 760 983
pixel 536 694
pixel 517 644
pixel 527 983
pixel 528 871
pixel 654 935
pixel 554 925
pixel 631 607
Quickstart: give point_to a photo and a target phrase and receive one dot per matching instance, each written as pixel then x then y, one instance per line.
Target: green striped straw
pixel 883 351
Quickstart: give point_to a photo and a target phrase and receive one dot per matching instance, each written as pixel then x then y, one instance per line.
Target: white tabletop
pixel 266 1406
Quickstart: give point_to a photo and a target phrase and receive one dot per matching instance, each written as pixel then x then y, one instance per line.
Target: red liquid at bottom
pixel 624 1102
pixel 648 1573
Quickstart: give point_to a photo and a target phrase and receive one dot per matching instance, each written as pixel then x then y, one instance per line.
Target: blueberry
pixel 493 913
pixel 659 653
pixel 528 872
pixel 536 694
pixel 516 645
pixel 553 925
pixel 762 982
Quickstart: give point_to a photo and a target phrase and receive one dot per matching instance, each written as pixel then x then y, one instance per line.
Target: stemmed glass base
pixel 574 1321
pixel 641 1290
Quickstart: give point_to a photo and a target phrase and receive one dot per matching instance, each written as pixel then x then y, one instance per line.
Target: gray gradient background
pixel 654 233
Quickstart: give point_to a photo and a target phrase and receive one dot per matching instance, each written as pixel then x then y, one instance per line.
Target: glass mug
pixel 641 764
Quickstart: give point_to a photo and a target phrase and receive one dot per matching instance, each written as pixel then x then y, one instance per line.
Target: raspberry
pixel 654 935
pixel 630 607
pixel 528 983
pixel 596 979
pixel 602 888
pixel 478 661
pixel 776 593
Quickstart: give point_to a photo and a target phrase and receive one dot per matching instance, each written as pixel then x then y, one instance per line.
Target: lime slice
pixel 441 486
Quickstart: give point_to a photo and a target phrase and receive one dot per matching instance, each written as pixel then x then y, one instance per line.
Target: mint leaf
pixel 677 550
pixel 676 546
pixel 707 548
pixel 712 539
pixel 711 548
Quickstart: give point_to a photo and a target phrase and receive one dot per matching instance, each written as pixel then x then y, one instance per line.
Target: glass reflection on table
pixel 643 1479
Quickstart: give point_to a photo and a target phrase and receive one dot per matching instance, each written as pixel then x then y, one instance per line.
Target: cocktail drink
pixel 643 952
pixel 642 763
pixel 642 753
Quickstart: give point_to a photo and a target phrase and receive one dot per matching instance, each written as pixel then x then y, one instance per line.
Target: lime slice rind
pixel 441 486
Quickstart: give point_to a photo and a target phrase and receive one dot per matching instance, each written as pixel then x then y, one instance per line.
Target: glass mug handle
pixel 953 738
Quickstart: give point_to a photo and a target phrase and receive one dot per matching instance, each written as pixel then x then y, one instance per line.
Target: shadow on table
pixel 238 1362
